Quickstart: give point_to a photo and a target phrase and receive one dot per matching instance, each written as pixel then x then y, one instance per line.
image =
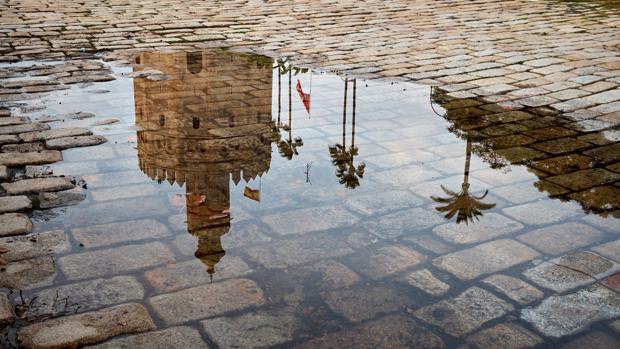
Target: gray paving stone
pixel 32 158
pixel 507 336
pixel 172 337
pixel 515 289
pixel 87 328
pixel 15 129
pixel 395 332
pixel 14 224
pixel 370 204
pixel 542 212
pixel 561 238
pixel 74 142
pixel 486 258
pixel 301 250
pixel 563 315
pixel 173 277
pixel 403 223
pixel 14 203
pixel 113 233
pixel 62 198
pixel 6 311
pixel 29 273
pixel 465 313
pixel 207 301
pixel 36 185
pixel 593 340
pixel 426 281
pixel 254 330
pixel 114 261
pixel 55 133
pixel 610 250
pixel 82 296
pixel 310 219
pixel 490 226
pixel 384 261
pixel 24 247
pixel 570 271
pixel 366 302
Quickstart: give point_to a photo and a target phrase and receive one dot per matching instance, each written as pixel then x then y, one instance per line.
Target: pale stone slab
pixel 87 328
pixel 14 224
pixel 506 336
pixel 36 185
pixel 515 289
pixel 207 300
pixel 173 277
pixel 310 219
pixel 373 203
pixel 464 313
pixel 55 133
pixel 384 261
pixel 593 340
pixel 255 330
pixel 62 198
pixel 113 261
pixel 74 142
pixel 14 129
pixel 6 311
pixel 404 222
pixel 31 158
pixel 172 337
pixel 395 331
pixel 610 250
pixel 83 296
pixel 492 225
pixel 542 212
pixel 29 273
pixel 24 247
pixel 366 302
pixel 561 238
pixel 14 203
pixel 427 282
pixel 570 271
pixel 112 233
pixel 486 258
pixel 564 315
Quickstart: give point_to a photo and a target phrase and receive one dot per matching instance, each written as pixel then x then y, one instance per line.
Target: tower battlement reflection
pixel 208 121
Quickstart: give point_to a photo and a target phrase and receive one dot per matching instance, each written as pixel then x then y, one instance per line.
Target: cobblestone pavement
pixel 199 199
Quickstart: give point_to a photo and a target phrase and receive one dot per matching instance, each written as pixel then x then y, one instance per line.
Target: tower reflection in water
pixel 208 121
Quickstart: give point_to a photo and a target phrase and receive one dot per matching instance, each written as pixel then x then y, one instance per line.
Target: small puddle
pixel 323 190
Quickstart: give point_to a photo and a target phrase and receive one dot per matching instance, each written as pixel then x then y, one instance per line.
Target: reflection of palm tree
pixel 287 147
pixel 343 159
pixel 468 207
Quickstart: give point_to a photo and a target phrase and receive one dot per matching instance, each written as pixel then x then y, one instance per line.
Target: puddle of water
pixel 310 184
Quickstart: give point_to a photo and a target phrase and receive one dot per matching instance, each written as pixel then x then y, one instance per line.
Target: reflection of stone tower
pixel 209 120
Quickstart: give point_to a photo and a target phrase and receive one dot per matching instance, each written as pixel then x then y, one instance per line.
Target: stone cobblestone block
pixel 570 271
pixel 113 261
pixel 30 158
pixel 207 301
pixel 88 328
pixel 563 315
pixel 484 259
pixel 561 238
pixel 29 273
pixel 6 311
pixel 173 337
pixel 113 233
pixel 465 313
pixel 14 203
pixel 491 226
pixel 515 289
pixel 542 212
pixel 384 261
pixel 508 336
pixel 373 203
pixel 426 281
pixel 26 186
pixel 404 223
pixel 366 302
pixel 310 219
pixel 610 250
pixel 255 330
pixel 24 247
pixel 395 331
pixel 14 224
pixel 594 340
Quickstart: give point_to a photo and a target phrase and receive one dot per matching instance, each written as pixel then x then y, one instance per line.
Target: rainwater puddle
pixel 263 204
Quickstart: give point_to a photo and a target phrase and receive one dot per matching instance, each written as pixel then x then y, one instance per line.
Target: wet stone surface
pixel 227 210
